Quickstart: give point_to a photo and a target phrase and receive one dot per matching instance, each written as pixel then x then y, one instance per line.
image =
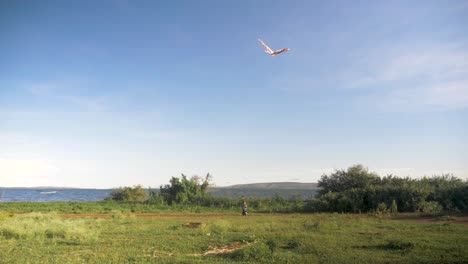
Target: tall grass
pixel 44 226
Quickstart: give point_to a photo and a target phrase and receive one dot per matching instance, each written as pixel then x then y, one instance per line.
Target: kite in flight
pixel 270 51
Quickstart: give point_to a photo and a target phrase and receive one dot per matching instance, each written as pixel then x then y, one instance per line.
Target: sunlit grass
pixel 40 227
pixel 295 238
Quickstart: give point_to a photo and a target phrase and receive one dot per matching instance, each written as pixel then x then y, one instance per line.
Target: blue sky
pixel 110 93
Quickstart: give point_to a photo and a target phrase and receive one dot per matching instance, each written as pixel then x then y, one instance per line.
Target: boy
pixel 244 209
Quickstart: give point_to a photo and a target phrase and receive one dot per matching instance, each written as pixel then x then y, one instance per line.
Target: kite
pixel 270 51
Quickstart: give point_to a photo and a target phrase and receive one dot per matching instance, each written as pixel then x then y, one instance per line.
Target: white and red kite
pixel 270 51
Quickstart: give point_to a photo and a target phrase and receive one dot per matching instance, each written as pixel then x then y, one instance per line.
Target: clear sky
pixel 111 93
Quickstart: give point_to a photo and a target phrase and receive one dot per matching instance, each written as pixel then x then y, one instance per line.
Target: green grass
pixel 293 238
pixel 43 227
pixel 103 207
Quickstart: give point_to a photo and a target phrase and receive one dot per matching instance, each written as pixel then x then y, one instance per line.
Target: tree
pixel 356 189
pixel 394 208
pixel 355 177
pixel 184 190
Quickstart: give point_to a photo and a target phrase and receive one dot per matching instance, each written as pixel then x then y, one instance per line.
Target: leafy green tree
pixel 458 197
pixel 356 190
pixel 185 190
pixel 354 177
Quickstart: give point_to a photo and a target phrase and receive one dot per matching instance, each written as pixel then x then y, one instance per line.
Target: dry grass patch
pixel 194 224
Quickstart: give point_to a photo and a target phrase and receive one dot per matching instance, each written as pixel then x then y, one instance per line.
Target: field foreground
pixel 230 238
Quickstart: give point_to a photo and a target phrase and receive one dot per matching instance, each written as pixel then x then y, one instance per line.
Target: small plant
pixel 53 233
pixel 315 226
pixel 292 244
pixel 116 214
pixel 219 227
pixel 8 233
pixel 174 227
pixel 272 245
pixel 258 252
pixel 218 230
pixel 397 245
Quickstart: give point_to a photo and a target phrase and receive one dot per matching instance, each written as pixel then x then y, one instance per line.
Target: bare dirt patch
pixel 85 215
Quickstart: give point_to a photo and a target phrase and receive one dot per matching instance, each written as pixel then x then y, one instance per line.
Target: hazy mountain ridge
pixel 275 185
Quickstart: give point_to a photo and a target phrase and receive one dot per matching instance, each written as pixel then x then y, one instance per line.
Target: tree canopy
pixel 358 190
pixel 355 177
pixel 355 189
pixel 184 190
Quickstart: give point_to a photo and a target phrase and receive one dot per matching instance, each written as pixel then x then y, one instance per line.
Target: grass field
pixel 228 238
pixel 106 207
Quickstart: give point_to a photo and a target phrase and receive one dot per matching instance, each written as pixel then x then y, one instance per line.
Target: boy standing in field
pixel 244 209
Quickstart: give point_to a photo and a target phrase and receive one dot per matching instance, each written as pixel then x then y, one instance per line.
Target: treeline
pixel 355 190
pixel 358 190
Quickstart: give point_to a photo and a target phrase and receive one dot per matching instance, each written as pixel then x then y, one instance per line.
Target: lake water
pixel 51 195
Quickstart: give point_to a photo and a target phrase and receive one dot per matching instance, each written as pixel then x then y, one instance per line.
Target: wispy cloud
pixel 152 135
pixel 416 78
pixel 452 94
pixel 423 65
pixel 297 83
pixel 443 96
pixel 62 92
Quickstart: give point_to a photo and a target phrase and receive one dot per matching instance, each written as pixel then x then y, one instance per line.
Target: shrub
pixel 394 208
pixel 429 208
pixel 381 209
pixel 316 205
pixel 135 194
pixel 357 190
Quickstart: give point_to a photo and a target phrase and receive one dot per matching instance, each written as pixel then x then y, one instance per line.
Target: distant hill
pixel 268 189
pixel 276 185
